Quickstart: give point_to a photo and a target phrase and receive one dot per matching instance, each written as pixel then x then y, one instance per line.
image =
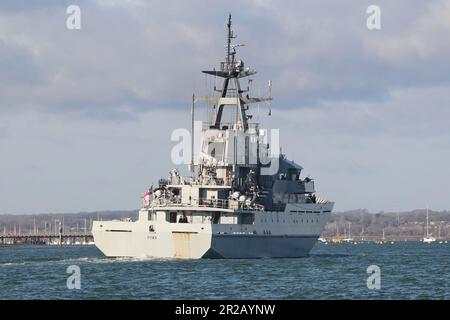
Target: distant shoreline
pixel 356 224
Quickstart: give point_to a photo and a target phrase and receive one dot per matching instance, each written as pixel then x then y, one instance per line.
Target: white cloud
pixel 85 117
pixel 422 42
pixel 123 3
pixel 150 54
pixel 376 155
pixel 58 164
pixel 3 131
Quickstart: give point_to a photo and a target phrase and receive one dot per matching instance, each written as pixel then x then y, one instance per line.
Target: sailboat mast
pixel 349 232
pixel 229 37
pixel 192 131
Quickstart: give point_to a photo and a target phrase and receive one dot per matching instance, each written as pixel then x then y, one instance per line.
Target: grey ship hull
pixel 234 205
pixel 253 246
pixel 291 236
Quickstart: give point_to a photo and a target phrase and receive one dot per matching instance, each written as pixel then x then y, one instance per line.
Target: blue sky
pixel 86 115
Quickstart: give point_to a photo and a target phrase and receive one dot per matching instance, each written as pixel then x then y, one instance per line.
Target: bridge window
pixel 151 216
pixel 246 218
pixel 171 217
pixel 216 217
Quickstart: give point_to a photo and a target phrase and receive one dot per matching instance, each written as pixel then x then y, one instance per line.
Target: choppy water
pixel 409 270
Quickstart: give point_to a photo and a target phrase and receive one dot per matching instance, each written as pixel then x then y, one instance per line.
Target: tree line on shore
pixel 359 222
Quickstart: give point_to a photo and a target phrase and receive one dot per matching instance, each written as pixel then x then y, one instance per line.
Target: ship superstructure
pixel 243 200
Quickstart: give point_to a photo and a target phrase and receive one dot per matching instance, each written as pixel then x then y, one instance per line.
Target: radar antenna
pixel 231 70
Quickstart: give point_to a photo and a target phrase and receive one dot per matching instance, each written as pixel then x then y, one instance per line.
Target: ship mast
pixel 229 37
pixel 232 70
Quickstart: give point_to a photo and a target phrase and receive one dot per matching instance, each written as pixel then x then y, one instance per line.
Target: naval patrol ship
pixel 244 199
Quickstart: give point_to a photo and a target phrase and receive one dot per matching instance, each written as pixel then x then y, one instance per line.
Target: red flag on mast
pixel 147 196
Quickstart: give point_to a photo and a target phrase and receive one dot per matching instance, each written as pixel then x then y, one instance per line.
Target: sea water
pixel 408 270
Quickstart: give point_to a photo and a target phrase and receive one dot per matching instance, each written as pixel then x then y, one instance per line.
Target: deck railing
pixel 207 203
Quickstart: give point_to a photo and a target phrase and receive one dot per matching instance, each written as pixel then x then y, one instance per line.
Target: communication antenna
pixel 192 132
pixel 270 97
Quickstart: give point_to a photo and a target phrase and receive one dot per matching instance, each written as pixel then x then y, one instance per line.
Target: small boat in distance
pixel 349 237
pixel 428 238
